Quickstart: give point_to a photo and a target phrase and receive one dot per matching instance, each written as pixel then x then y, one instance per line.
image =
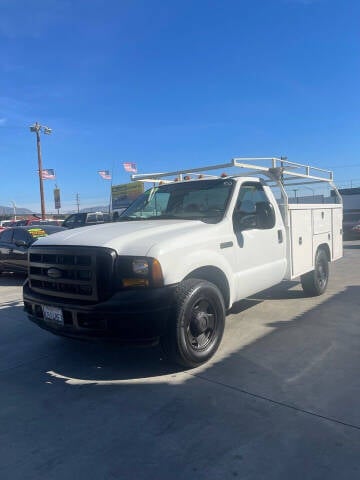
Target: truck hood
pixel 129 238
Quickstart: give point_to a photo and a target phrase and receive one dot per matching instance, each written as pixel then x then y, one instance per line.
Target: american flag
pixel 105 174
pixel 130 167
pixel 47 174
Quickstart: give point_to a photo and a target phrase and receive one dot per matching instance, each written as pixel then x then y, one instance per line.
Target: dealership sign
pixel 124 194
pixel 57 198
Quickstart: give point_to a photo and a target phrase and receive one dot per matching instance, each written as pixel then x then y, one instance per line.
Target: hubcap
pixel 199 323
pixel 202 325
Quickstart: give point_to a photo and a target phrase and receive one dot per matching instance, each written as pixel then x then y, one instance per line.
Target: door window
pixel 20 235
pixel 253 209
pixel 6 236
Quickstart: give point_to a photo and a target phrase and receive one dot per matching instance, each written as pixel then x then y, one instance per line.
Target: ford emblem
pixel 54 273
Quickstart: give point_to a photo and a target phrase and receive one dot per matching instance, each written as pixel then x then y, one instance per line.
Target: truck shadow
pixel 114 361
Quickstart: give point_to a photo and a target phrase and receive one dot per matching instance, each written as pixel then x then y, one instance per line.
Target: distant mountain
pixel 10 210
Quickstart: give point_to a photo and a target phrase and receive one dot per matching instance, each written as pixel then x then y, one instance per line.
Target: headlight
pixel 138 272
pixel 140 267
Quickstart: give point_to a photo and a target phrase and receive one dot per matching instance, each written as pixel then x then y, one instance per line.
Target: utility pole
pixel 78 202
pixel 37 128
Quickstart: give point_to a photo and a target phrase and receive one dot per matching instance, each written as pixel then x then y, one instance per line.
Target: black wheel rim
pixel 201 329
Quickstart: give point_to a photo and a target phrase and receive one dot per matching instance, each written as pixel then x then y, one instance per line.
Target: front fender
pixel 178 266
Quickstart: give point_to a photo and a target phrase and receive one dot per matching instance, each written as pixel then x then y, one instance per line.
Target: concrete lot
pixel 280 400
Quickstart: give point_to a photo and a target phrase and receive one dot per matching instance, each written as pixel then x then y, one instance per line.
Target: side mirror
pixel 265 215
pixel 21 243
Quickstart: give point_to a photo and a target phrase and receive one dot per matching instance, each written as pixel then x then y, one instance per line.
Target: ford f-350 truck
pixel 183 253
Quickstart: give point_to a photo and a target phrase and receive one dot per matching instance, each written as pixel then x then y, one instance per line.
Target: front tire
pixel 314 283
pixel 195 332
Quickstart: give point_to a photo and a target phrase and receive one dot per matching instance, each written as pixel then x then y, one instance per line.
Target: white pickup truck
pixel 184 252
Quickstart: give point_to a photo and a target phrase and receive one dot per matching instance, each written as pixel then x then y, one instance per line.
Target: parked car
pixel 15 242
pixel 85 219
pixel 351 226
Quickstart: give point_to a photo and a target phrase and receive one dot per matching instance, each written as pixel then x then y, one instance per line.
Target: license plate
pixel 53 315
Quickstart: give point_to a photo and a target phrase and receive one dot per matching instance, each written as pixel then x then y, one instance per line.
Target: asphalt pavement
pixel 280 400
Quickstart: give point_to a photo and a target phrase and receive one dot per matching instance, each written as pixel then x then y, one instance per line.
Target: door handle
pixel 280 236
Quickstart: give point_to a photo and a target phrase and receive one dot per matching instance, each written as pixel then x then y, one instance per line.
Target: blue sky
pixel 173 84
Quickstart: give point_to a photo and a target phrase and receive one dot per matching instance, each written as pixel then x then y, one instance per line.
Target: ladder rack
pixel 279 169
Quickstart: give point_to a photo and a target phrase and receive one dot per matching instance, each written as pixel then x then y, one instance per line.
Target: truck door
pixel 260 241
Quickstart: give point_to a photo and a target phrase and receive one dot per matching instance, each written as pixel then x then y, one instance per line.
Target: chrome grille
pixel 72 272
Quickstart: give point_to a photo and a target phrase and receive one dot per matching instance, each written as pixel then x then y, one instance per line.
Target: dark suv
pixel 85 219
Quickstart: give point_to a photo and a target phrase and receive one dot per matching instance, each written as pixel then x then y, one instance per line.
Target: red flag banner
pixel 105 174
pixel 130 167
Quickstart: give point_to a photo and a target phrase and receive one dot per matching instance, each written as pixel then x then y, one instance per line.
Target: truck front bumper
pixel 129 316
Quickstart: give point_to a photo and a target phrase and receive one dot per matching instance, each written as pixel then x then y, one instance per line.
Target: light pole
pixel 14 208
pixel 37 128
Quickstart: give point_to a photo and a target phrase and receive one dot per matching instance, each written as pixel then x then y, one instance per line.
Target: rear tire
pixel 195 332
pixel 314 283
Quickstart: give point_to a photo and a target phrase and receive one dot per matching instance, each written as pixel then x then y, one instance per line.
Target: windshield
pixel 204 200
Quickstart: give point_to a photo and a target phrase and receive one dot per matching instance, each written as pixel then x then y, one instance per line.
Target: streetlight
pixel 37 128
pixel 14 208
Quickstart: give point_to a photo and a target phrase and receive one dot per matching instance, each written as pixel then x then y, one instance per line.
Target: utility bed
pixel 309 227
